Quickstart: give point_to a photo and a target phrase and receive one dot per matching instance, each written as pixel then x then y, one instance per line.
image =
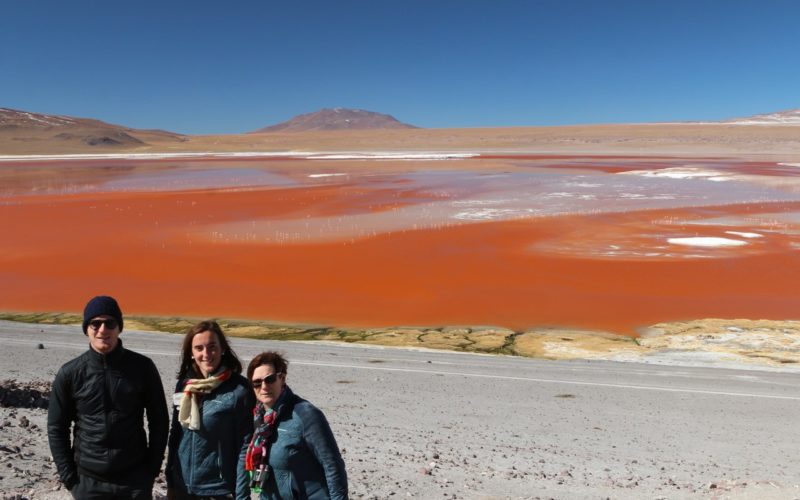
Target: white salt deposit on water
pixel 745 235
pixel 477 203
pixel 706 241
pixel 391 156
pixel 789 164
pixel 681 173
pixel 493 213
pixel 249 154
pixel 314 176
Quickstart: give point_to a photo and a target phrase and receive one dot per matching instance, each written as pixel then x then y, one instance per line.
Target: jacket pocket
pixel 221 403
pixel 126 395
pixel 286 485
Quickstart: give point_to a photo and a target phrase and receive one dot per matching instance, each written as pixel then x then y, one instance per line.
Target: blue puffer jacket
pixel 205 462
pixel 304 457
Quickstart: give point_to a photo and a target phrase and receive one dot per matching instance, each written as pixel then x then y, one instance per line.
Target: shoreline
pixel 745 344
pixel 399 154
pixel 549 249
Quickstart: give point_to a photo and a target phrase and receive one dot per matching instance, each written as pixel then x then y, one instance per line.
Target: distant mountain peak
pixel 70 131
pixel 338 119
pixel 787 117
pixel 16 118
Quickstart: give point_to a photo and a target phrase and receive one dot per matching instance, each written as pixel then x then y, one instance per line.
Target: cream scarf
pixel 189 405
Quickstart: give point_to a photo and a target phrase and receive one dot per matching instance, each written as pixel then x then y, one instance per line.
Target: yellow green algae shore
pixel 767 344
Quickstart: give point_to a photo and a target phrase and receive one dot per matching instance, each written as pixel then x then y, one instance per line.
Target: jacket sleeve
pixel 319 438
pixel 157 420
pixel 244 427
pixel 60 416
pixel 175 434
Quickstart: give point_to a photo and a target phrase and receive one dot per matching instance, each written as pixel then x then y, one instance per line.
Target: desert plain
pixel 673 244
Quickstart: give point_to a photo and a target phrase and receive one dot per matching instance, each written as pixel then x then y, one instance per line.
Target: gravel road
pixel 435 424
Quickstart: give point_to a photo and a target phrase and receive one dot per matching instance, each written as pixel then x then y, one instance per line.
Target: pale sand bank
pixel 681 139
pixel 729 343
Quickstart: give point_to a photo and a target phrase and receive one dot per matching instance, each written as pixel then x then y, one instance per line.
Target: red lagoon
pixel 599 243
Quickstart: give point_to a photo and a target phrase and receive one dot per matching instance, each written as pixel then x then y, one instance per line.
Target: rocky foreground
pixel 26 467
pixel 596 438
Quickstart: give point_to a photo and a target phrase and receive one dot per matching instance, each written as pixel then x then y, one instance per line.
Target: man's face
pixel 103 332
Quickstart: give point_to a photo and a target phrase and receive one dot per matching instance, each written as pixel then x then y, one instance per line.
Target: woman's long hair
pixel 229 358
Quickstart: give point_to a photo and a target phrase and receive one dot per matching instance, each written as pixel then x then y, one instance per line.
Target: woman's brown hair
pixel 229 358
pixel 277 361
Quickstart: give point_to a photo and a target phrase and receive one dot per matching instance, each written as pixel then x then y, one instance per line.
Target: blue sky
pixel 199 66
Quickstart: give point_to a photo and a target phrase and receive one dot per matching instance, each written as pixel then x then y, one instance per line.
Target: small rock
pixel 40 346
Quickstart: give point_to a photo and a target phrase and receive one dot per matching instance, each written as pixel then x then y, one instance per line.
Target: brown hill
pixel 337 119
pixel 23 130
pixel 23 133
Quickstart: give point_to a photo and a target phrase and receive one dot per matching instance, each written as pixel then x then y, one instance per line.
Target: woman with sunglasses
pixel 293 453
pixel 211 423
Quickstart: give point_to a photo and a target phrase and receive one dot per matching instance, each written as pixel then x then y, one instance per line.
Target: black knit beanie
pixel 99 306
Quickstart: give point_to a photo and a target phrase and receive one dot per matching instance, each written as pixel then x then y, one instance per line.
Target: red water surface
pixel 143 248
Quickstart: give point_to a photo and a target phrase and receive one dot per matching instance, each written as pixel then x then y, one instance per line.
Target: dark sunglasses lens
pixel 97 323
pixel 270 379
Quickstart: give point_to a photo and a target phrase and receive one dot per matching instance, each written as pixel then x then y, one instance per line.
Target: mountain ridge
pixel 337 119
pixel 27 133
pixel 28 126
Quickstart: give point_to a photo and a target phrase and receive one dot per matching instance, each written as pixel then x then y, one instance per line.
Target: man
pixel 104 392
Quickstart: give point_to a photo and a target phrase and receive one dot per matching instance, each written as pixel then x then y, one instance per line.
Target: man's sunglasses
pixel 111 324
pixel 269 379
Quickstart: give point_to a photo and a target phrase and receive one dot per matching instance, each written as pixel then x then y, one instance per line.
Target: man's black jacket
pixel 105 396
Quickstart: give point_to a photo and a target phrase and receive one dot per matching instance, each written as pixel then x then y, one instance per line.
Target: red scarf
pixel 257 458
pixel 265 423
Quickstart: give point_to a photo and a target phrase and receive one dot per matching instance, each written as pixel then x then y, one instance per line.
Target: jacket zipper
pixel 219 458
pixel 106 400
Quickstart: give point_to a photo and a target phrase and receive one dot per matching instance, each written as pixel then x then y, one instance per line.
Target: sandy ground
pixel 432 424
pixel 633 139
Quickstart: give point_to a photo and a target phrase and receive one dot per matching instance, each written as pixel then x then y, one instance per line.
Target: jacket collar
pixel 285 398
pixel 112 357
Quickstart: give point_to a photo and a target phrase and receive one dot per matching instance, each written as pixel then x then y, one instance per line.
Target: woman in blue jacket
pixel 293 453
pixel 212 421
